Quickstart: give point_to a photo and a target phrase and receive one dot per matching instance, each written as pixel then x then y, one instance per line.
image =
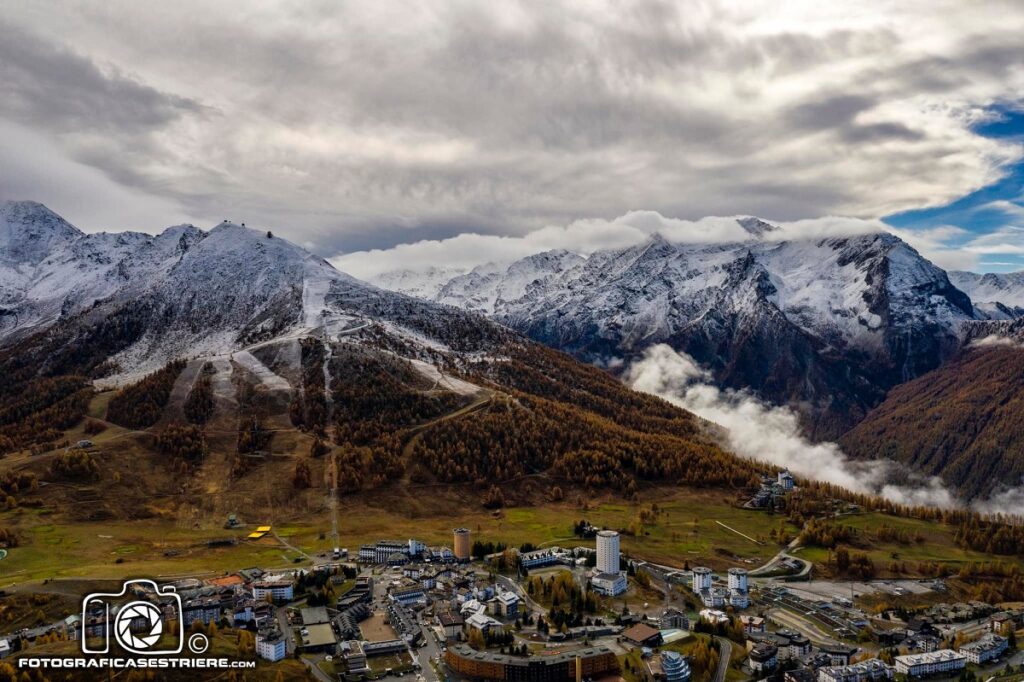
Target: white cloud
pixel 584 237
pixel 1008 501
pixel 766 433
pixel 580 236
pixel 996 341
pixel 360 125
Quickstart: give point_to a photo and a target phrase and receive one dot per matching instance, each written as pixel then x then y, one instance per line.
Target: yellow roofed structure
pixel 256 535
pixel 263 529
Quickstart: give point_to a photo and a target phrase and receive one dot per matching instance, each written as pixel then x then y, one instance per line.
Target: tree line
pixel 140 405
pixel 199 404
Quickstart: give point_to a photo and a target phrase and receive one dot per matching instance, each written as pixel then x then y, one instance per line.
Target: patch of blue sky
pixel 991 218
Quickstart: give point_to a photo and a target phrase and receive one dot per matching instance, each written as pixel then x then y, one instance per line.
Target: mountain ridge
pixel 825 324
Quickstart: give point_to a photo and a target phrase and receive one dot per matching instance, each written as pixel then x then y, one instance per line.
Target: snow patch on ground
pixel 444 381
pixel 314 293
pixel 270 380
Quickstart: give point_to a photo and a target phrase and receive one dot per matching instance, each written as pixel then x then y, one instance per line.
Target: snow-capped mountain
pixel 183 293
pixel 424 283
pixel 826 324
pixel 490 287
pixel 999 296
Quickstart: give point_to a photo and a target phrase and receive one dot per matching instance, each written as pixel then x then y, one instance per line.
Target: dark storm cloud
pixel 49 86
pixel 361 124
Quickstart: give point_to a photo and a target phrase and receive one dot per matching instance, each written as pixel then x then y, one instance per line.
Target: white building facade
pixel 608 552
pixel 938 662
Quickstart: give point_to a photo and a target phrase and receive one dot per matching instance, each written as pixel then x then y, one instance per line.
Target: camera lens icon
pixel 138 625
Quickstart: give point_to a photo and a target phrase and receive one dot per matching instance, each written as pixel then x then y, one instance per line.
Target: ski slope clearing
pixel 270 380
pixel 449 383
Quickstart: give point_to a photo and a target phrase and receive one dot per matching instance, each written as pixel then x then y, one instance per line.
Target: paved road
pixel 723 661
pixel 319 674
pixel 286 630
pixel 424 654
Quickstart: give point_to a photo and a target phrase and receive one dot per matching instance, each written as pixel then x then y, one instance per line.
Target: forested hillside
pixel 963 422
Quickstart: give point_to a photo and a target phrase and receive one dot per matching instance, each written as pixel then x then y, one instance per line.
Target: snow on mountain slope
pixel 425 283
pixel 29 232
pixel 487 287
pixel 1000 296
pixel 827 324
pixel 190 293
pixel 49 269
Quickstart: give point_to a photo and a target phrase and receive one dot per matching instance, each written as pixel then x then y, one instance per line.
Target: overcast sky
pixel 349 126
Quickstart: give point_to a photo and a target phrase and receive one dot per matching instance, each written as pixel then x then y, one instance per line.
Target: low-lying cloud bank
pixel 996 341
pixel 469 249
pixel 584 237
pixel 771 434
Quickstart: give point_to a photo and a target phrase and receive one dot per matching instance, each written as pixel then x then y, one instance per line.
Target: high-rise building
pixel 461 544
pixel 738 579
pixel 701 579
pixel 607 552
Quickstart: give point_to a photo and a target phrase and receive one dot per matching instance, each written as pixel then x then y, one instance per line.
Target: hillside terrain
pixel 826 325
pixel 244 376
pixel 962 421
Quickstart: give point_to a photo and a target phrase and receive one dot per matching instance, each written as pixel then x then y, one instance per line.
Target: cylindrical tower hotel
pixel 461 546
pixel 607 551
pixel 738 579
pixel 701 578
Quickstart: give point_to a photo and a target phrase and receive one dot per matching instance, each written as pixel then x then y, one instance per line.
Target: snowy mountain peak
pixel 192 290
pixel 29 231
pixel 755 226
pixel 788 319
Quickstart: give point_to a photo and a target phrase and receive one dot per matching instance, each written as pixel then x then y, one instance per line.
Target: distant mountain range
pixel 833 327
pixel 187 292
pixel 999 296
pixel 825 325
pixel 273 345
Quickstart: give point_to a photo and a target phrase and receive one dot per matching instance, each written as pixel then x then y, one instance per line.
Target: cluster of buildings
pixel 401 552
pixel 772 489
pixel 556 666
pixel 871 670
pixel 735 594
pixel 607 577
pixel 766 650
pixel 834 663
pixel 237 600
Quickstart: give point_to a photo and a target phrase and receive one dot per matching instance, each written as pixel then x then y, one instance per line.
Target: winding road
pixel 725 656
